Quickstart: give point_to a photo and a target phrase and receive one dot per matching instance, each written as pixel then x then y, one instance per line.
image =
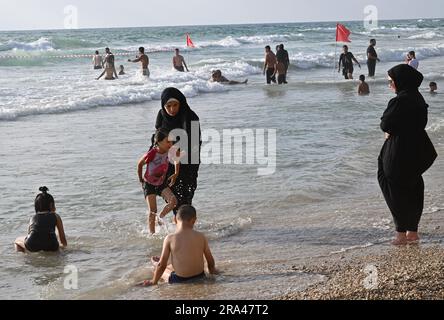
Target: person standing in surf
pixel 346 60
pixel 372 58
pixel 179 62
pixel 177 114
pixel 97 61
pixel 406 154
pixel 143 58
pixel 270 65
pixel 283 63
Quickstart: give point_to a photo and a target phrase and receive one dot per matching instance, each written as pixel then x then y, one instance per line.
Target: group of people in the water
pixel 108 63
pixel 275 66
pixel 171 173
pixel 347 58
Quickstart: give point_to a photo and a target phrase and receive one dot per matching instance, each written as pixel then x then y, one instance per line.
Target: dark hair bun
pixel 43 189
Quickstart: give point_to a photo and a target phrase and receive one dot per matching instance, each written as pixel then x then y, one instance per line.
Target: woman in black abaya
pixel 407 152
pixel 177 114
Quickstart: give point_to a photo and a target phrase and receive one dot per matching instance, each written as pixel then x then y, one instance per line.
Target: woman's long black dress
pixel 408 153
pixel 187 120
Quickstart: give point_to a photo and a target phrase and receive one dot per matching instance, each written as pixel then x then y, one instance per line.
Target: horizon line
pixel 210 25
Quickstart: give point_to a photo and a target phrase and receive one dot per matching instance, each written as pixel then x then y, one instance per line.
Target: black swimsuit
pixel 42 236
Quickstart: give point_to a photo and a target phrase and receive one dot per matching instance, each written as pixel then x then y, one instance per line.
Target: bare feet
pixel 400 240
pixel 413 237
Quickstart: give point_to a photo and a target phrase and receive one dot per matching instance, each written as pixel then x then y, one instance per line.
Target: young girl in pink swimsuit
pixel 155 182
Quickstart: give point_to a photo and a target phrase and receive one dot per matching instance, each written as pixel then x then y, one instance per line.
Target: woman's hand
pixel 387 136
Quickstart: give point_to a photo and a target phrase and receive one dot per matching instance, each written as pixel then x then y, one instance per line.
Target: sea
pixel 82 138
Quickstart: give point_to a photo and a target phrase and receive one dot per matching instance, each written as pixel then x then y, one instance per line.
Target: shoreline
pixel 413 272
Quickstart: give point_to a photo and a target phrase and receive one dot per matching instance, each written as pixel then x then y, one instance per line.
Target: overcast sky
pixel 49 14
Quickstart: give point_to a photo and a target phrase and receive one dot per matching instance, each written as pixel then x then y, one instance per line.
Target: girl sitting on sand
pixel 155 183
pixel 41 232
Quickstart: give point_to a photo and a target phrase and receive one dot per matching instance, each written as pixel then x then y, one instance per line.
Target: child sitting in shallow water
pixel 187 248
pixel 41 231
pixel 155 182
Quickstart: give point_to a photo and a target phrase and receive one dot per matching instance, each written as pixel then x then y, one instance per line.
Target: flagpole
pixel 336 53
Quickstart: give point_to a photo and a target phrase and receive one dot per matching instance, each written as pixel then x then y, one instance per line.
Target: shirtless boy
pixel 187 249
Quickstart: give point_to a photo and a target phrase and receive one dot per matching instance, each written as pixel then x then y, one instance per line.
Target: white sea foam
pixel 136 89
pixel 426 35
pixel 42 44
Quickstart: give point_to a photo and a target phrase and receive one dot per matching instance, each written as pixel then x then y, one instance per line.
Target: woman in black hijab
pixel 407 152
pixel 177 114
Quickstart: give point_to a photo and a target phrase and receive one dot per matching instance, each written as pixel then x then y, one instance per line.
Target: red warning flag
pixel 342 33
pixel 190 43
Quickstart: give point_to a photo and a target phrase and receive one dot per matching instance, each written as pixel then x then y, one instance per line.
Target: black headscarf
pixel 406 78
pixel 176 122
pixel 182 120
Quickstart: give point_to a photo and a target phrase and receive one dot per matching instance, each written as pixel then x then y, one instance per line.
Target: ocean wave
pixel 136 89
pixel 42 44
pixel 436 126
pixel 427 36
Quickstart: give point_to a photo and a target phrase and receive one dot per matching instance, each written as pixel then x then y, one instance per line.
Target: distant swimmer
pixel 143 58
pixel 41 232
pixel 270 65
pixel 110 68
pixel 217 76
pixel 346 60
pixel 188 250
pixel 372 58
pixel 411 60
pixel 363 88
pixel 97 61
pixel 122 70
pixel 283 58
pixel 433 87
pixel 179 62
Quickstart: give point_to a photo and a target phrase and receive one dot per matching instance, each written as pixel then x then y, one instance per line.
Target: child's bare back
pixel 187 249
pixel 187 252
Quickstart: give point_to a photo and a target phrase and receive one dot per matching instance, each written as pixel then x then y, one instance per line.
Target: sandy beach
pixel 384 272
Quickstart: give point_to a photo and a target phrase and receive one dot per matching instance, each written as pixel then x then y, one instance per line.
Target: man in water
pixel 284 59
pixel 346 60
pixel 110 68
pixel 270 65
pixel 179 62
pixel 143 58
pixel 433 87
pixel 217 76
pixel 97 61
pixel 372 58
